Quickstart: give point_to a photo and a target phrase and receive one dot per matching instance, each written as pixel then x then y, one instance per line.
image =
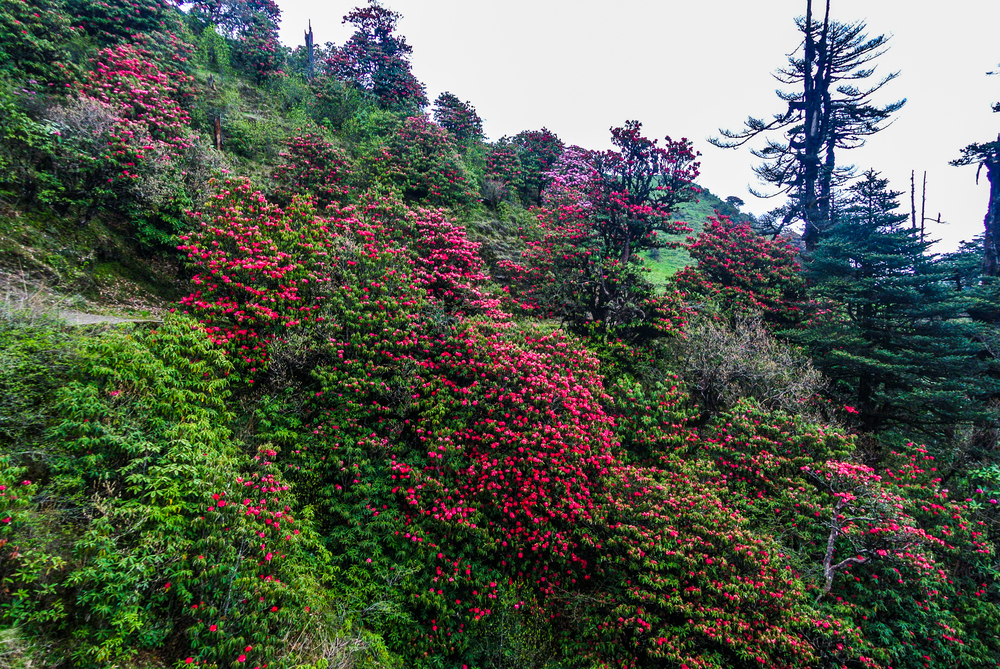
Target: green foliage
pixel 333 103
pixel 360 450
pixel 35 357
pixel 743 273
pixel 183 543
pixel 24 146
pixel 35 38
pixel 424 164
pixel 890 331
pixel 118 21
pixel 458 118
pixel 213 52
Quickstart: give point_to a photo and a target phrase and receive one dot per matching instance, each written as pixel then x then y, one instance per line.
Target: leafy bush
pixel 723 363
pixel 743 272
pixel 262 269
pixel 184 545
pixel 119 21
pixel 457 117
pixel 376 60
pixel 35 38
pixel 424 164
pixel 316 167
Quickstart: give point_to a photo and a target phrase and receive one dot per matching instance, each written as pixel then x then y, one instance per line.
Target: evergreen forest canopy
pixel 401 396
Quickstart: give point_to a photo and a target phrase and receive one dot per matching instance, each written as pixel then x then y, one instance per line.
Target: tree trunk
pixel 816 119
pixel 991 239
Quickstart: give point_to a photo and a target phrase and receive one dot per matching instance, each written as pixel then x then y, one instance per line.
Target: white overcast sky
pixel 687 68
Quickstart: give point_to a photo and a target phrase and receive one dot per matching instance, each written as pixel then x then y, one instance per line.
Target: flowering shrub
pixel 182 545
pixel 537 151
pixel 743 272
pixel 258 51
pixel 878 547
pixel 503 175
pixel 115 21
pixel 638 188
pixel 316 167
pixel 35 38
pixel 457 117
pixel 142 93
pixel 424 164
pixel 447 264
pixel 151 125
pixel 262 269
pixel 376 60
pixel 491 465
pixel 562 273
pixel 573 180
pixel 474 457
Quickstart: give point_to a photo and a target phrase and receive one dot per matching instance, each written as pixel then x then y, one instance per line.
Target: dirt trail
pixel 83 318
pixel 18 293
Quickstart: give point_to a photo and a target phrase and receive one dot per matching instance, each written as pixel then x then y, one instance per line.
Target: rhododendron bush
pixel 261 269
pixel 377 60
pixel 878 547
pixel 421 404
pixel 314 166
pixel 424 164
pixel 563 273
pixel 457 117
pixel 638 189
pixel 743 272
pixel 151 124
pixel 181 539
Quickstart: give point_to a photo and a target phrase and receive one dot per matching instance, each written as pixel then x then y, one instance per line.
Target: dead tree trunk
pixel 992 221
pixel 310 53
pixel 217 132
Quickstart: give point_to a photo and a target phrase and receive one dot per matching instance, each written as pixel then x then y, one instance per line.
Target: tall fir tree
pixel 892 332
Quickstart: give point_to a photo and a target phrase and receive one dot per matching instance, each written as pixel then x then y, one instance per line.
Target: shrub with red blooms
pixel 639 186
pixel 258 51
pixel 182 545
pixel 743 272
pixel 503 166
pixel 537 151
pixel 886 549
pixel 457 117
pixel 605 208
pixel 447 264
pixel 150 119
pixel 35 37
pixel 497 474
pixel 424 163
pixel 142 93
pixel 314 166
pixel 376 60
pixel 482 453
pixel 260 269
pixel 562 273
pixel 573 180
pixel 119 21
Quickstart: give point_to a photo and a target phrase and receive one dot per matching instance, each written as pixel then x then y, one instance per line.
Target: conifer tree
pixel 891 334
pixel 987 154
pixel 829 110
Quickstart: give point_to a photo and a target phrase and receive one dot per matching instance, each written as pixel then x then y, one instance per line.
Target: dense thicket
pixel 416 401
